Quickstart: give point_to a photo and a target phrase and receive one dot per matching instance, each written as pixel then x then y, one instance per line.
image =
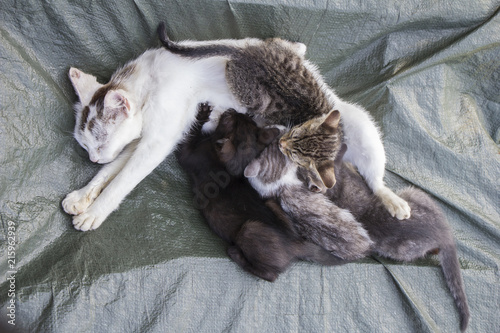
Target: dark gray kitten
pixel 316 217
pixel 425 232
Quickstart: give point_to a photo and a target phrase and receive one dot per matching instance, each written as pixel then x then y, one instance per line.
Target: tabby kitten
pixel 316 218
pixel 261 238
pixel 274 175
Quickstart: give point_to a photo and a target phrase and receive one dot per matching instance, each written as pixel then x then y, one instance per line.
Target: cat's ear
pixel 224 146
pixel 85 85
pixel 314 182
pixel 267 135
pixel 116 105
pixel 327 173
pixel 225 149
pixel 341 153
pixel 252 169
pixel 332 120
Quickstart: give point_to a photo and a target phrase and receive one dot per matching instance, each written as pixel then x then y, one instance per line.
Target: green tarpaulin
pixel 428 72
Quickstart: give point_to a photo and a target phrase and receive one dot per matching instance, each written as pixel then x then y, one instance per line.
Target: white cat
pixel 135 120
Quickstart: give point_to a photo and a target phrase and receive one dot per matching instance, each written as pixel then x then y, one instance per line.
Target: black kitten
pixel 262 240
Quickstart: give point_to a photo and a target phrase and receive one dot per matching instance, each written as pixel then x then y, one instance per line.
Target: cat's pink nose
pixel 283 144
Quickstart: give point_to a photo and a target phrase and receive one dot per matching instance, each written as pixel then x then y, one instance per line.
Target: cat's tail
pixel 202 50
pixel 451 270
pixel 312 252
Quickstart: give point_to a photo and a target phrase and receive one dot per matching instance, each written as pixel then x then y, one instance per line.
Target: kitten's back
pixel 425 232
pixel 272 81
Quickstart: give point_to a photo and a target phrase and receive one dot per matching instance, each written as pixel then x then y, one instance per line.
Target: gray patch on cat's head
pixel 105 116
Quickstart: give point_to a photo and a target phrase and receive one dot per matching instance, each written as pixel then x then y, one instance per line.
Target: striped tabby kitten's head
pixel 106 120
pixel 313 146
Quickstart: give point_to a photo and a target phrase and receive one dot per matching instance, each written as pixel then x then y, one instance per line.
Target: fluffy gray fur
pixel 317 218
pixel 425 232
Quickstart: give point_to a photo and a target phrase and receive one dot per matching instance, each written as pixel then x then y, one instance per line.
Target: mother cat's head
pixel 106 117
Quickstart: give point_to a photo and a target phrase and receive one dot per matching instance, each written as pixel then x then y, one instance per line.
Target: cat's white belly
pixel 183 85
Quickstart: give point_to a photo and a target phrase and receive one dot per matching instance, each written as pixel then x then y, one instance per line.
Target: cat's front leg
pixel 396 206
pixel 147 156
pixel 77 202
pixel 367 153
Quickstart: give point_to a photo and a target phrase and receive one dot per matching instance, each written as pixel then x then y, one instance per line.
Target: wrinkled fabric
pixel 429 74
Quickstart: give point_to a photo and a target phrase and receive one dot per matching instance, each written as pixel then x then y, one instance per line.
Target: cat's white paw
pixel 396 206
pixel 87 221
pixel 77 202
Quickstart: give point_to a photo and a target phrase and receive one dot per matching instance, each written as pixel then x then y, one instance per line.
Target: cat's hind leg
pixel 237 256
pixel 367 153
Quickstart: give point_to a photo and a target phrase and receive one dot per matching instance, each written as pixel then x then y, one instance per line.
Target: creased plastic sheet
pixel 428 72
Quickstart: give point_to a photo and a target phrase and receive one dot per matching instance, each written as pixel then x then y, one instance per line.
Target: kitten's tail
pixel 451 270
pixel 312 252
pixel 198 51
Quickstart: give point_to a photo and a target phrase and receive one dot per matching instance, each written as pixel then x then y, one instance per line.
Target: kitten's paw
pixel 396 206
pixel 87 221
pixel 204 110
pixel 76 203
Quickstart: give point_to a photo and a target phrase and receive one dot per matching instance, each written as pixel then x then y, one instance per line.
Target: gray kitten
pixel 317 218
pixel 425 232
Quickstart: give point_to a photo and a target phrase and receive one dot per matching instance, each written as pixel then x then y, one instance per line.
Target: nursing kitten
pixel 427 230
pixel 273 80
pixel 317 218
pixel 274 175
pixel 260 242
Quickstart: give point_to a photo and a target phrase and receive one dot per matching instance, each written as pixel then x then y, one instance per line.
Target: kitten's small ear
pixel 327 173
pixel 252 169
pixel 116 105
pixel 85 85
pixel 267 135
pixel 314 181
pixel 219 143
pixel 224 145
pixel 225 149
pixel 341 153
pixel 332 120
